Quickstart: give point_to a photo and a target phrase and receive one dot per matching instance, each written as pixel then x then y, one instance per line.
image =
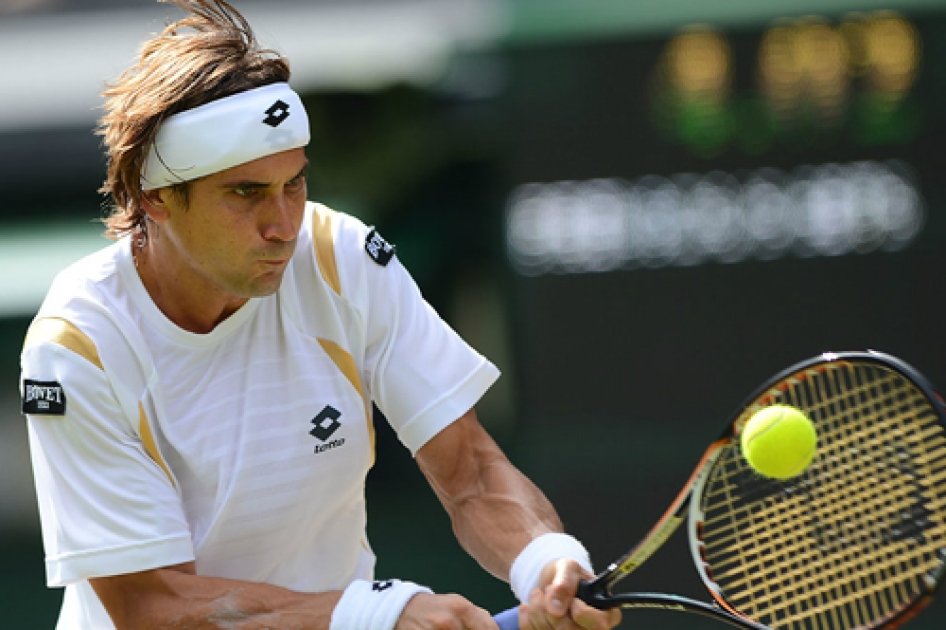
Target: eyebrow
pixel 248 183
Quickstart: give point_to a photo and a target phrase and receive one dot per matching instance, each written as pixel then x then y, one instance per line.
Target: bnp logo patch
pixel 379 249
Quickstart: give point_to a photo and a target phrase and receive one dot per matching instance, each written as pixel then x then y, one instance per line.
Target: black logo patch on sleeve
pixel 379 249
pixel 43 398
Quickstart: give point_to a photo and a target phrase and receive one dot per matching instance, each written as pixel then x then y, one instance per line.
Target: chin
pixel 260 291
pixel 265 287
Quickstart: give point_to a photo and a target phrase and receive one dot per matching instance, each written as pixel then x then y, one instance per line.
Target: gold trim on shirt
pixel 324 243
pixel 147 439
pixel 66 334
pixel 346 364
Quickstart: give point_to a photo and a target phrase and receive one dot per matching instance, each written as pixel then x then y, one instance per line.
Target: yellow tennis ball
pixel 779 441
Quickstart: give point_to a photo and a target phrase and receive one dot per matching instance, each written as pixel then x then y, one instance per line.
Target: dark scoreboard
pixel 690 213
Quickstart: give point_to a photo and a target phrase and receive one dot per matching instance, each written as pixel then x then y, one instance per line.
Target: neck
pixel 194 306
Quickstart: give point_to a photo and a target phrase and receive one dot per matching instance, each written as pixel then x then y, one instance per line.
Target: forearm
pixel 496 511
pixel 176 598
pixel 495 524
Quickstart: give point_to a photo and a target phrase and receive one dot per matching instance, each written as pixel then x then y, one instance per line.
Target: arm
pixel 496 511
pixel 175 597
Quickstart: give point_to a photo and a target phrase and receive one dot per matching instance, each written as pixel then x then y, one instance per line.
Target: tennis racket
pixel 856 541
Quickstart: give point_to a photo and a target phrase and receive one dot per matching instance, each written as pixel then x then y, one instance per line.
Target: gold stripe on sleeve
pixel 346 364
pixel 324 242
pixel 66 334
pixel 147 439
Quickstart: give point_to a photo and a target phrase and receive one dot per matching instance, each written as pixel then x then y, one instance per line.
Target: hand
pixel 443 612
pixel 553 605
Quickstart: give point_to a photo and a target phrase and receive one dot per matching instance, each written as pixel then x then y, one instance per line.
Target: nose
pixel 280 222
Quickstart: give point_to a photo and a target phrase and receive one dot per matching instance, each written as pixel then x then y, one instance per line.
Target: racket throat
pixel 596 592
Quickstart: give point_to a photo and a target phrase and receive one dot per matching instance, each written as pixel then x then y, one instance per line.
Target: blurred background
pixel 639 210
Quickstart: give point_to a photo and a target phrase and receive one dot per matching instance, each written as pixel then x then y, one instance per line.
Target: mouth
pixel 276 256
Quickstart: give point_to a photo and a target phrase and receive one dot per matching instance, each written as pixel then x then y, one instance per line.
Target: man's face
pixel 238 229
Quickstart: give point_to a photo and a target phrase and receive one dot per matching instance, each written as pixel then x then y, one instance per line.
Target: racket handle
pixel 508 619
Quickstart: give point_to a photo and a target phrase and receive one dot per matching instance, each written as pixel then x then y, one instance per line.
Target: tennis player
pixel 199 393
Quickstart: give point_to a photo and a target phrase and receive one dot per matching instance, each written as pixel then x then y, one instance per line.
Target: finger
pixel 561 589
pixel 590 618
pixel 535 614
pixel 476 618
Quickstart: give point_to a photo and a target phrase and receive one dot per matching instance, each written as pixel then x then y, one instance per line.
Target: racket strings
pixel 854 540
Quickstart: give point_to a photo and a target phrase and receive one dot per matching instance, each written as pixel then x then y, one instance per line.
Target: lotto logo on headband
pixel 226 133
pixel 276 114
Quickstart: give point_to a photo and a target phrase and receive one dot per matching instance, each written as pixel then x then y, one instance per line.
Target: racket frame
pixel 598 591
pixel 771 389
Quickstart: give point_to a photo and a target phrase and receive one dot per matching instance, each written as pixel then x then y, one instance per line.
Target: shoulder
pixel 344 248
pixel 77 304
pixel 84 319
pixel 83 280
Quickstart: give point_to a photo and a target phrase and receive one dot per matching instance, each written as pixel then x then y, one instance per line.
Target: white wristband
pixel 528 565
pixel 373 605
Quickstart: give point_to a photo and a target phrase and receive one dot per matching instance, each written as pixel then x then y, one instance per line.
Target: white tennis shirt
pixel 244 449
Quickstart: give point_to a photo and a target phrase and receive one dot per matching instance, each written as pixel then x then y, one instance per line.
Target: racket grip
pixel 508 619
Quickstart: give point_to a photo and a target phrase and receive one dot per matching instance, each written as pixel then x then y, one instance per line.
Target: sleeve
pixel 422 375
pixel 106 506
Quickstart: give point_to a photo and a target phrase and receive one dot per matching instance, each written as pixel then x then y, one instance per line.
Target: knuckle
pixel 457 603
pixel 455 613
pixel 443 621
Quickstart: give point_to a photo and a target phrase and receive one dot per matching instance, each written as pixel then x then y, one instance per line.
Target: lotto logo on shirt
pixel 43 398
pixel 324 425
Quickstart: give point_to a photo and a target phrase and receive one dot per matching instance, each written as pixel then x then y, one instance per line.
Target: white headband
pixel 226 133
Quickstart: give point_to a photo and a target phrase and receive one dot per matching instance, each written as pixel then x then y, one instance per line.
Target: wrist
pixel 373 605
pixel 527 568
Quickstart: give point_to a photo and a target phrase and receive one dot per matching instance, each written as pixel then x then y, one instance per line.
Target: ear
pixel 154 204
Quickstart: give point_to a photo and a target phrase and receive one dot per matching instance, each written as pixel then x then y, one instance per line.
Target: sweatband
pixel 527 567
pixel 225 133
pixel 373 605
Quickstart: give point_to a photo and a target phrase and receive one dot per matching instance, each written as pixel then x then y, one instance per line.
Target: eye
pixel 245 191
pixel 296 182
